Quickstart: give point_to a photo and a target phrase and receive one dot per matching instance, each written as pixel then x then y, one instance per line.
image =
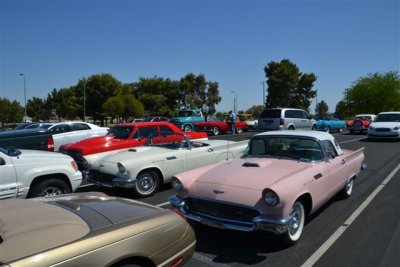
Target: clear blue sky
pixel 57 42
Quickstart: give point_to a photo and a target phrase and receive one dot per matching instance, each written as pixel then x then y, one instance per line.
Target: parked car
pixel 252 123
pixel 330 124
pixel 36 139
pixel 217 126
pixel 155 119
pixel 119 138
pixel 285 119
pixel 134 120
pixel 386 125
pixel 360 123
pixel 91 229
pixel 30 173
pixel 283 177
pixel 144 169
pixel 71 131
pixel 186 119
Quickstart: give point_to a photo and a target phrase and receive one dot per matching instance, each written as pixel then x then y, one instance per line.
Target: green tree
pixel 157 94
pixel 255 110
pixel 321 109
pixel 98 89
pixel 342 110
pixel 287 86
pixel 114 107
pixel 63 102
pixel 35 109
pixel 196 92
pixel 374 93
pixel 123 107
pixel 10 112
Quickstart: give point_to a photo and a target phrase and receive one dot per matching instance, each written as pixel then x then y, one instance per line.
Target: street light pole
pixel 234 101
pixel 21 74
pixel 84 102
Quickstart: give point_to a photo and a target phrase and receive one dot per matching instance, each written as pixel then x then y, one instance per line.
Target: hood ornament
pixel 216 191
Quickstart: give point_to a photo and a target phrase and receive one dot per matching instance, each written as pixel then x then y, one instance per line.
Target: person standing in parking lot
pixel 232 119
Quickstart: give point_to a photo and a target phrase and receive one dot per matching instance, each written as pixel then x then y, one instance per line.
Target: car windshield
pixel 289 147
pixel 271 113
pixel 168 140
pixel 10 152
pixel 389 117
pixel 185 113
pixel 120 132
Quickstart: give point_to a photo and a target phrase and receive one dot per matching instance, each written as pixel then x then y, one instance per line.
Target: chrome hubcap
pixel 50 191
pixel 145 184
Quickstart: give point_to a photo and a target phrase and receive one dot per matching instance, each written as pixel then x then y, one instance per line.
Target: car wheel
pixel 49 187
pixel 348 188
pixel 351 131
pixel 239 130
pixel 291 128
pixel 328 129
pixel 314 127
pixel 296 224
pixel 147 183
pixel 340 130
pixel 215 130
pixel 187 128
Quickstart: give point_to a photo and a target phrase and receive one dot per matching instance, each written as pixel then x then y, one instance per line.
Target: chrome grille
pixel 221 210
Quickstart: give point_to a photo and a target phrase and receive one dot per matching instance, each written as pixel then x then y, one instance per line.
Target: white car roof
pixel 320 135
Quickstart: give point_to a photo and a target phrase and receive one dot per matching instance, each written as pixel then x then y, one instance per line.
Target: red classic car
pixel 360 123
pixel 216 126
pixel 119 137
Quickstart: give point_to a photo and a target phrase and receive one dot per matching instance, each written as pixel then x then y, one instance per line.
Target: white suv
pixel 286 119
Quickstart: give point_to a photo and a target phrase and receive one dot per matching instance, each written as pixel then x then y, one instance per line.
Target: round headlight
pixel 121 167
pixel 271 198
pixel 177 185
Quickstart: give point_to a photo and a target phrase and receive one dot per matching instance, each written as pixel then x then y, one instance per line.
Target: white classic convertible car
pixel 145 168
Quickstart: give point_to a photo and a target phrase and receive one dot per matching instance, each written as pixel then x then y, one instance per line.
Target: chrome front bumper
pixel 113 183
pixel 259 223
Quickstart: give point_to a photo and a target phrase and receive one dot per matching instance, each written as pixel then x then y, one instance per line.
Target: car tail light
pixel 50 144
pixel 282 122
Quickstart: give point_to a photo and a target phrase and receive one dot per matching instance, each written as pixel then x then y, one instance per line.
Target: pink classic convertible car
pixel 282 177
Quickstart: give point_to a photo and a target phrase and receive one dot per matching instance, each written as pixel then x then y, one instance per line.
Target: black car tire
pixel 49 187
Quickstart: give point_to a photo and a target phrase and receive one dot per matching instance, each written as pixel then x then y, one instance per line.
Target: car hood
pixel 389 124
pixel 251 173
pixel 97 144
pixel 38 156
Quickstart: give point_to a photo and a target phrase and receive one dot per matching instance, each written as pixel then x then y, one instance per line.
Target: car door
pixel 61 135
pixel 303 120
pixel 79 131
pixel 199 156
pixel 337 167
pixel 8 178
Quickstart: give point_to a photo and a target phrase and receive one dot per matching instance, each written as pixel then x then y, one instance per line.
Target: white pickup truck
pixel 33 173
